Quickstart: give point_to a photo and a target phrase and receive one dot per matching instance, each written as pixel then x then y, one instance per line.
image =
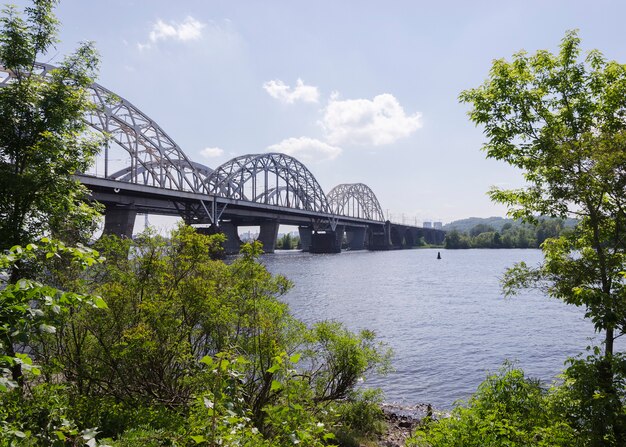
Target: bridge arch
pixel 271 179
pixel 355 200
pixel 155 159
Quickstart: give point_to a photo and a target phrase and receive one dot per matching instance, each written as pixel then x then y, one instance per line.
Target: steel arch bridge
pixel 159 178
pixel 355 200
pixel 156 160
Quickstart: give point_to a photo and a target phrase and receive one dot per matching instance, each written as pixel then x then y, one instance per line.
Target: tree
pixel 480 229
pixel 561 119
pixel 43 138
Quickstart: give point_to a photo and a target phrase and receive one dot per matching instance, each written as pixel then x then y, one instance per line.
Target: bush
pixel 508 409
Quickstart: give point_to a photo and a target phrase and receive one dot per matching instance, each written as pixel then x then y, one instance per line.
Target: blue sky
pixel 360 91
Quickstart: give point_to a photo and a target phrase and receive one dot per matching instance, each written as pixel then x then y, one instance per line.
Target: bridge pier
pixel 356 237
pixel 326 242
pixel 233 243
pixel 119 220
pixel 268 235
pixel 305 238
pixel 379 238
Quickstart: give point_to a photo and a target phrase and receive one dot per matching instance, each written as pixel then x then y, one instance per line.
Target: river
pixel 446 320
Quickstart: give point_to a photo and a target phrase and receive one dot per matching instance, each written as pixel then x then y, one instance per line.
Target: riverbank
pixel 401 422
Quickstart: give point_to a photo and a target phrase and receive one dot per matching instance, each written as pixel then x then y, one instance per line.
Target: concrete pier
pixel 325 242
pixel 268 235
pixel 355 237
pixel 305 237
pixel 119 220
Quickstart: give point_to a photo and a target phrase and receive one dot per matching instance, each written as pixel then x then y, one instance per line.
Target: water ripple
pixel 446 320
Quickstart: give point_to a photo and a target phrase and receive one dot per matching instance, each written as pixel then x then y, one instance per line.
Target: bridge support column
pixel 119 220
pixel 326 242
pixel 380 237
pixel 268 235
pixel 233 243
pixel 340 231
pixel 305 238
pixel 356 238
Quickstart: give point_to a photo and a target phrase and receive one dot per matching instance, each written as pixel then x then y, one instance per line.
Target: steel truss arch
pixel 155 159
pixel 355 200
pixel 125 175
pixel 270 179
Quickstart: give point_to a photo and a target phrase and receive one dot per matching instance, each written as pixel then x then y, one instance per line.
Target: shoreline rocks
pixel 401 421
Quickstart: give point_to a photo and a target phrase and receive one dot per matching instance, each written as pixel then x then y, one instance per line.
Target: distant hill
pixel 465 225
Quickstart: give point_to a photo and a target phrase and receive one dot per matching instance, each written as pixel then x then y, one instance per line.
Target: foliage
pixel 188 350
pixel 41 419
pixel 43 138
pixel 339 359
pixel 561 120
pixel 287 242
pixel 513 234
pixel 508 409
pixel 587 407
pixel 362 418
pixel 29 309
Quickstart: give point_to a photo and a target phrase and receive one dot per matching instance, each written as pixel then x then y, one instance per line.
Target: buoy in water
pixel 438 255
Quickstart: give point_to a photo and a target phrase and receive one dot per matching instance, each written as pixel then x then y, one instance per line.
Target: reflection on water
pixel 445 319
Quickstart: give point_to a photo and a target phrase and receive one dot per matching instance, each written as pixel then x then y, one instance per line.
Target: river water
pixel 446 320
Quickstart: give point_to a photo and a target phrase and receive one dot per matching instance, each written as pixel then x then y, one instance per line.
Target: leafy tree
pixel 561 119
pixel 455 239
pixel 43 138
pixel 287 242
pixel 480 229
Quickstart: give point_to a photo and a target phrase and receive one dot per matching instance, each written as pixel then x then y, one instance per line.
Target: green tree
pixel 561 119
pixel 454 239
pixel 43 138
pixel 480 228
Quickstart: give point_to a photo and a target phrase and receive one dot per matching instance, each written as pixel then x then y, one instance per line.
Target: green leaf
pixel 276 385
pixel 100 303
pixel 295 358
pixel 198 439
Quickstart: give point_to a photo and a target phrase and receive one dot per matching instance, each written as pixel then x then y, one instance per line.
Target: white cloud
pixel 187 30
pixel 301 92
pixel 375 122
pixel 212 152
pixel 306 149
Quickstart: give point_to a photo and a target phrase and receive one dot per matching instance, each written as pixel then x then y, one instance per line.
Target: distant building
pixel 438 225
pixel 428 224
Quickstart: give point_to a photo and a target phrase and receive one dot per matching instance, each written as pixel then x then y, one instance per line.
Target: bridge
pixel 154 176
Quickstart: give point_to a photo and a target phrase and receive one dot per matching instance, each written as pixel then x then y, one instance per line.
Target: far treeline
pixel 496 232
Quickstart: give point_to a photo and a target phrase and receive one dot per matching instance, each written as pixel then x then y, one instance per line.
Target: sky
pixel 359 91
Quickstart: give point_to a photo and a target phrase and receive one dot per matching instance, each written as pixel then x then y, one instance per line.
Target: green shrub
pixel 508 409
